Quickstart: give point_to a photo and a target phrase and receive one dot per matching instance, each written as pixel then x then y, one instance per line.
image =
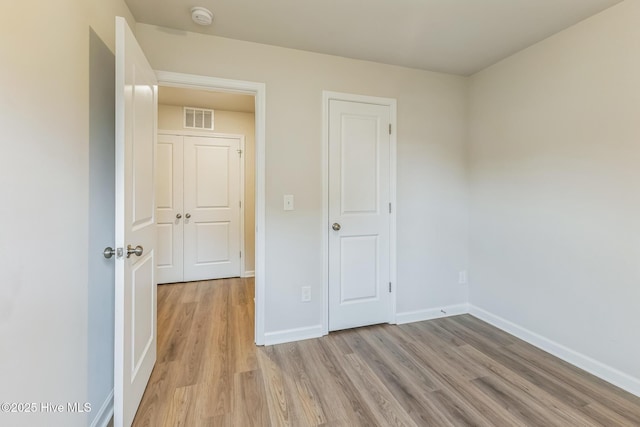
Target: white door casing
pixel 135 289
pixel 258 90
pixel 169 209
pixel 359 201
pixel 212 207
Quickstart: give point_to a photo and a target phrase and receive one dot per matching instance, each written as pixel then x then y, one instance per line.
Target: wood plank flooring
pixel 457 371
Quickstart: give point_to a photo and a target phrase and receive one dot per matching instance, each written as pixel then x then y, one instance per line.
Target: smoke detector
pixel 201 16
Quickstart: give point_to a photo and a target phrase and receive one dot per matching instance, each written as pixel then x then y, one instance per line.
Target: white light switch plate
pixel 288 202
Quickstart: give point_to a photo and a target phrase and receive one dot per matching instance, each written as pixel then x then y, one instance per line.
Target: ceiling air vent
pixel 198 118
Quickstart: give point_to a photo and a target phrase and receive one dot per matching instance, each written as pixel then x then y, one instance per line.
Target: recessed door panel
pixel 143 290
pixel 212 176
pixel 359 282
pixel 164 259
pixel 359 165
pixel 213 242
pixel 143 101
pixel 164 182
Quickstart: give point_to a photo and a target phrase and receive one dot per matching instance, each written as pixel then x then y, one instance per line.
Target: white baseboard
pixel 105 413
pixel 432 313
pixel 600 370
pixel 290 335
pixel 249 273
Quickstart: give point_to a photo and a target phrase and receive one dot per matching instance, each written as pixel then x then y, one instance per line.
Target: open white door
pixel 135 296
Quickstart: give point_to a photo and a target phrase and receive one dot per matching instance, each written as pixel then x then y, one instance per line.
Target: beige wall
pixel 170 117
pixel 44 220
pixel 43 292
pixel 555 206
pixel 432 210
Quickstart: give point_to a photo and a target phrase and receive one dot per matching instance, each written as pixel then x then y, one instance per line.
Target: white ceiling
pixel 206 99
pixel 453 36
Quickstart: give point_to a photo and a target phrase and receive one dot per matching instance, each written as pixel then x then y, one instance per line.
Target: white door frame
pixel 392 104
pixel 191 81
pixel 241 138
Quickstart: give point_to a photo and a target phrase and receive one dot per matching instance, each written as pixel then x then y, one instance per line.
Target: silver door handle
pixel 188 216
pixel 108 252
pixel 137 251
pixel 179 216
pixel 336 226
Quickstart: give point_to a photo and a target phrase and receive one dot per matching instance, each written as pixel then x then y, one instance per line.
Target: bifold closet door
pixel 211 207
pixel 169 209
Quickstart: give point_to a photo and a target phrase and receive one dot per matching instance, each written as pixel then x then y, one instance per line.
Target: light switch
pixel 288 202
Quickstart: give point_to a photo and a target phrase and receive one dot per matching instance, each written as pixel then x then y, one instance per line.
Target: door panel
pixel 359 282
pixel 166 253
pixel 359 195
pixel 169 197
pixel 142 290
pixel 359 165
pixel 212 199
pixel 135 293
pixel 212 232
pixel 212 176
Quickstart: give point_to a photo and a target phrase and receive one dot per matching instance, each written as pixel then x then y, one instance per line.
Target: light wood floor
pixel 449 372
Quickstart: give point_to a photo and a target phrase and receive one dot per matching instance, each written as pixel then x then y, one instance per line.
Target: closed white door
pixel 135 288
pixel 212 207
pixel 359 217
pixel 169 211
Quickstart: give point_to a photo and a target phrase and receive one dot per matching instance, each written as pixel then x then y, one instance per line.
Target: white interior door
pixel 169 209
pixel 212 207
pixel 359 217
pixel 135 296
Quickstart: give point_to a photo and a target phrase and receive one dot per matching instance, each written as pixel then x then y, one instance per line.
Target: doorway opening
pixel 238 114
pixel 205 186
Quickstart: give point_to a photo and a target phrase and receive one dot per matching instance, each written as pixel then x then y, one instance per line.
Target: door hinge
pixel 389 128
pixel 389 287
pixel 240 204
pixel 389 207
pixel 240 254
pixel 240 153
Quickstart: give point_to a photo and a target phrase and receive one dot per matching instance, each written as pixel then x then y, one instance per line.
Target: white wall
pixel 43 214
pixel 432 213
pixel 555 204
pixel 170 117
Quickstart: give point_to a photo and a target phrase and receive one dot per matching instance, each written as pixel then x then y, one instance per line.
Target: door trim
pixel 392 104
pixel 191 81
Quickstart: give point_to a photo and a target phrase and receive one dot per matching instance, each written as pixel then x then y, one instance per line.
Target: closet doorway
pixel 205 187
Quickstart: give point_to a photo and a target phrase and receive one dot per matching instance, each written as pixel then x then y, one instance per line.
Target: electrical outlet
pixel 306 293
pixel 462 277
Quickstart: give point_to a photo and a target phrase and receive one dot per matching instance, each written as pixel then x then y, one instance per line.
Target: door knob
pixel 137 251
pixel 108 252
pixel 336 226
pixel 179 216
pixel 188 216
